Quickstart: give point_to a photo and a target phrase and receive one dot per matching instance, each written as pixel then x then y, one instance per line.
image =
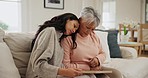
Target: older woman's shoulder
pixel 67 39
pixel 94 34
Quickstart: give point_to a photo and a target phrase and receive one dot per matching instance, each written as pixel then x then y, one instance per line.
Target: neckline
pixel 83 37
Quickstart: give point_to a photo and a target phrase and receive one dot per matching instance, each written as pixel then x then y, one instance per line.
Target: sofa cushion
pixel 112 43
pixel 20 46
pixel 7 66
pixel 128 52
pixel 2 33
pixel 103 39
pixel 130 68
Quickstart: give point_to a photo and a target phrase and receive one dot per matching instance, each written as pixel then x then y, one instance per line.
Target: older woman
pixel 88 53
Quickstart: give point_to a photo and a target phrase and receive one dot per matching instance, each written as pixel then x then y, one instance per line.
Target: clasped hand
pixel 94 62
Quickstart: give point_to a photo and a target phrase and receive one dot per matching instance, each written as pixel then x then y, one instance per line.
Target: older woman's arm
pixel 101 57
pixel 67 45
pixel 101 54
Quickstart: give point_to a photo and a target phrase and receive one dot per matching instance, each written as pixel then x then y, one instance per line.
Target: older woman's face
pixel 86 28
pixel 71 26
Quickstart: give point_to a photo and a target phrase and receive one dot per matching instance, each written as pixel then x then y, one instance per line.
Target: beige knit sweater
pixel 46 56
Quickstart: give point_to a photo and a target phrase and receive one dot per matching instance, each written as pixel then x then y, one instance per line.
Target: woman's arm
pixel 101 54
pixel 100 58
pixel 67 45
pixel 69 72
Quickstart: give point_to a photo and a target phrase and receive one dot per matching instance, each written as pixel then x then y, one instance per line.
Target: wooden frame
pixel 146 11
pixel 54 4
pixel 143 27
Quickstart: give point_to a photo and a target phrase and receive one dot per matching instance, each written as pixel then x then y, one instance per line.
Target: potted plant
pixel 132 25
pixel 3 25
pixel 125 36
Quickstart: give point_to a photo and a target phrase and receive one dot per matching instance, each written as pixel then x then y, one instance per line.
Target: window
pixel 109 19
pixel 10 14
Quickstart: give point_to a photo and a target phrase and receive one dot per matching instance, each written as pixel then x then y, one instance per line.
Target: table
pixel 136 45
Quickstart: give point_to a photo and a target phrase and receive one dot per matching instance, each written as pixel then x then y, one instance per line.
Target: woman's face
pixel 71 26
pixel 86 28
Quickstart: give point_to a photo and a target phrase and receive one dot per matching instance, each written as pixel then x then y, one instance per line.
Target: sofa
pixel 15 48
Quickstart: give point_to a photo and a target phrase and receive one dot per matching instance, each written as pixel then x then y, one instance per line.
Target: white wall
pixel 37 14
pixel 128 10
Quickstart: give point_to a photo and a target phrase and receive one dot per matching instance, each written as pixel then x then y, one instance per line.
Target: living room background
pixel 33 12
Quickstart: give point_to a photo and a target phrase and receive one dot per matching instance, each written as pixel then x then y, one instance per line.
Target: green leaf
pixel 125 31
pixel 3 26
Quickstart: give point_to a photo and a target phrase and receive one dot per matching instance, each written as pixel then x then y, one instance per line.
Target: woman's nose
pixel 74 30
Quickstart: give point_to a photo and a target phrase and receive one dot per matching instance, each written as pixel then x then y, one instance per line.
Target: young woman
pixel 47 54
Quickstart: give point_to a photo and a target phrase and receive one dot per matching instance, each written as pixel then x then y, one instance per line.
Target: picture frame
pixel 146 11
pixel 54 4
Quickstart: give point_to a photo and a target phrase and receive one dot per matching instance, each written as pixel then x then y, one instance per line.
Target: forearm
pixel 76 65
pixel 69 72
pixel 61 71
pixel 46 69
pixel 101 58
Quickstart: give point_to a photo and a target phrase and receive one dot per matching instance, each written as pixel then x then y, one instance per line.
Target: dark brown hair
pixel 58 22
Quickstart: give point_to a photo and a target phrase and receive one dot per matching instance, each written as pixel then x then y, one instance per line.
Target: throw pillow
pixel 2 33
pixel 7 65
pixel 103 39
pixel 112 43
pixel 20 46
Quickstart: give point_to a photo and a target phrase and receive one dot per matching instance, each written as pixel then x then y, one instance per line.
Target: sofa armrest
pixel 128 52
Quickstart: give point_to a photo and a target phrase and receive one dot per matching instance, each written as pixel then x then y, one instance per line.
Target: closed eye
pixel 75 26
pixel 88 27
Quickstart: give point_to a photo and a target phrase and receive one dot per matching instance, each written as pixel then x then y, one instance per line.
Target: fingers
pixel 78 72
pixel 94 62
pixel 78 69
pixel 96 68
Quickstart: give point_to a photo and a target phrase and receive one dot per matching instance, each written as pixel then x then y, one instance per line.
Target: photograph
pixel 54 1
pixel 54 4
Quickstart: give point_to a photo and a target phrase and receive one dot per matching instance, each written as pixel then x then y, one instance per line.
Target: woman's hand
pixel 70 72
pixel 94 62
pixel 98 68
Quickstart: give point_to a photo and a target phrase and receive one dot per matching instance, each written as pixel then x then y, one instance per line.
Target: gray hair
pixel 90 15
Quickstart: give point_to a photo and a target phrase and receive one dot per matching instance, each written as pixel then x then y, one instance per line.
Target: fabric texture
pixel 115 73
pixel 112 43
pixel 8 68
pixel 84 76
pixel 46 56
pixel 2 33
pixel 130 68
pixel 87 48
pixel 128 52
pixel 20 46
pixel 104 42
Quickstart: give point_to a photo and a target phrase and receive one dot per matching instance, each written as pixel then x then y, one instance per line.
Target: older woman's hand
pixel 94 62
pixel 98 68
